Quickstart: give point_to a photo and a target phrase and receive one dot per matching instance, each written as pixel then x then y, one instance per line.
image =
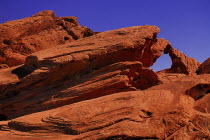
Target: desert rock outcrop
pixel 104 63
pixel 43 30
pixel 172 114
pixel 76 84
pixel 204 68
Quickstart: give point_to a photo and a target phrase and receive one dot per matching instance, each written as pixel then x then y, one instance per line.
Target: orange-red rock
pixel 180 62
pixel 165 77
pixel 63 72
pixel 124 98
pixel 156 113
pixel 77 71
pixel 43 30
pixel 204 67
pixel 24 97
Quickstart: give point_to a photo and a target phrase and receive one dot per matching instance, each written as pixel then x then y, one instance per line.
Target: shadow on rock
pixel 23 71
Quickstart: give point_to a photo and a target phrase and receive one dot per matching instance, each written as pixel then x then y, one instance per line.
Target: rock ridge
pixel 97 86
pixel 43 30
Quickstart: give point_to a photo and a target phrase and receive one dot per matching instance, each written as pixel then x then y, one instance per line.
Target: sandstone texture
pixel 98 86
pixel 161 112
pixel 43 30
pixel 204 68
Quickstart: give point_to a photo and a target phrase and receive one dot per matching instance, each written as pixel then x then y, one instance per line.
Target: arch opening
pixel 162 63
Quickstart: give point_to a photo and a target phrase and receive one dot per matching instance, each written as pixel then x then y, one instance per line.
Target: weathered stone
pixel 43 30
pixel 118 77
pixel 204 67
pixel 78 70
pixel 161 112
pixel 181 63
pixel 165 77
pixel 3 66
pixel 125 99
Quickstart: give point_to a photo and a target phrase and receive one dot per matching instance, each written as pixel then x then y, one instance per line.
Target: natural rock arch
pixel 162 63
pixel 180 62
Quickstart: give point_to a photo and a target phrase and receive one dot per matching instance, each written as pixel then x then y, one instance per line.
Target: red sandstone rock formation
pixel 161 112
pixel 41 31
pixel 77 71
pixel 204 67
pixel 125 99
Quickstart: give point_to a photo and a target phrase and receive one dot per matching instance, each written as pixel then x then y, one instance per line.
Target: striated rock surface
pixel 181 63
pixel 165 77
pixel 43 30
pixel 204 67
pixel 161 112
pixel 97 87
pixel 102 64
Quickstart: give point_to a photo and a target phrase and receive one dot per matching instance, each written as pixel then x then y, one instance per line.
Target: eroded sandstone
pixel 204 67
pixel 105 63
pixel 84 85
pixel 43 30
pixel 134 114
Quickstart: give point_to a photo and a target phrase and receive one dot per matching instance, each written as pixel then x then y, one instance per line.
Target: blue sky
pixel 185 23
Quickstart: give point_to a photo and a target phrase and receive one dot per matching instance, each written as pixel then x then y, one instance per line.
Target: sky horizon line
pixel 185 24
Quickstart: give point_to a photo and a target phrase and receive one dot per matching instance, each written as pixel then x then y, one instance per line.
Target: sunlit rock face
pixel 43 30
pixel 98 86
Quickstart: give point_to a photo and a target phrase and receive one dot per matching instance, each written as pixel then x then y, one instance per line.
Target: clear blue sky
pixel 185 23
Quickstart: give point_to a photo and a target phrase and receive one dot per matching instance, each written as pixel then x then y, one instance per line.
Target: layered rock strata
pixel 98 86
pixel 43 30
